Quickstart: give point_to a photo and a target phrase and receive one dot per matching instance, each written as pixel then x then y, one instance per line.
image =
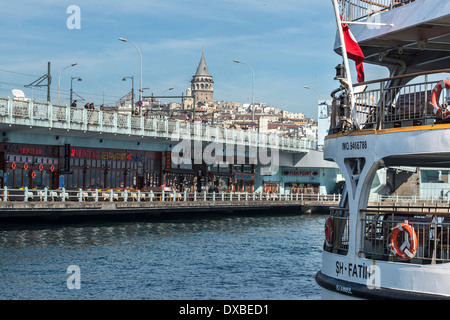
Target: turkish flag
pixel 354 52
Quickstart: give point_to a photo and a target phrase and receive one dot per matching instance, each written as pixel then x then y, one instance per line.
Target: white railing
pixel 432 230
pixel 410 199
pixel 127 195
pixel 384 108
pixel 431 224
pixel 29 113
pixel 359 9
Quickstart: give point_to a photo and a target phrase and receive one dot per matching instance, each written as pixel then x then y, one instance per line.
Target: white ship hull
pixel 350 277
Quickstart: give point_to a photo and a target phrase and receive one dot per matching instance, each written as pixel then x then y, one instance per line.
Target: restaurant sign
pixel 99 155
pixel 304 173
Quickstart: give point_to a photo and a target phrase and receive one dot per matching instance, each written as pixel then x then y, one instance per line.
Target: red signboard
pixel 30 150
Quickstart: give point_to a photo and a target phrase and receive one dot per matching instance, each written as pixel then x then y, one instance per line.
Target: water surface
pixel 219 258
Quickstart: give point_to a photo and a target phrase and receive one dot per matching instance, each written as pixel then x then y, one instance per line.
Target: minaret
pixel 202 84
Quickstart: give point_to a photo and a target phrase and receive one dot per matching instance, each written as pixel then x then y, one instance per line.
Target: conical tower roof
pixel 202 69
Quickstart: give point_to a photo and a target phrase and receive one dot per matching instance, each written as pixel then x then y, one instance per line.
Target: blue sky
pixel 288 43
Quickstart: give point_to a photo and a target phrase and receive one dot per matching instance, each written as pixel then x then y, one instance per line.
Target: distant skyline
pixel 288 43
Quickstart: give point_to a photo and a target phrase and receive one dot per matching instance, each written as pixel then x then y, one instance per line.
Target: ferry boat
pixel 389 252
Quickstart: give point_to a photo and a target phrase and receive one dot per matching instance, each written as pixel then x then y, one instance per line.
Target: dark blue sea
pixel 270 257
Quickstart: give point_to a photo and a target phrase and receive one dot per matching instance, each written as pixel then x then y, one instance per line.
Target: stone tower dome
pixel 202 84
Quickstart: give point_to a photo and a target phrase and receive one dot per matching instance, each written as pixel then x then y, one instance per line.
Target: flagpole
pixel 346 65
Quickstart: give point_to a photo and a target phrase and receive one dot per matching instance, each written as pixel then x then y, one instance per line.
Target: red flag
pixel 354 52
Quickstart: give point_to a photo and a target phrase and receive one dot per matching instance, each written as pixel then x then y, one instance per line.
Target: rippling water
pixel 218 258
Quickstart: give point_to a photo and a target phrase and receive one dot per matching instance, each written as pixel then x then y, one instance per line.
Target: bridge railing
pixel 115 195
pixel 410 199
pixel 29 113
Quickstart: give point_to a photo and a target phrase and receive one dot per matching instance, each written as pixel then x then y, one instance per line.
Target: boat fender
pixel 443 114
pixel 409 247
pixel 329 232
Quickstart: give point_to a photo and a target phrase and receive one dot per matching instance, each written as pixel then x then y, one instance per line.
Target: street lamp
pixel 318 93
pixel 162 94
pixel 71 91
pixel 323 110
pixel 59 79
pixel 132 92
pixel 253 87
pixel 140 56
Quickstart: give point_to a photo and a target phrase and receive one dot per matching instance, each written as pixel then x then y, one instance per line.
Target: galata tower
pixel 202 84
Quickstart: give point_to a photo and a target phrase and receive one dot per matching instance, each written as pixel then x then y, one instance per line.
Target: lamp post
pixel 321 107
pixel 253 87
pixel 59 79
pixel 140 57
pixel 132 92
pixel 71 91
pixel 318 93
pixel 162 94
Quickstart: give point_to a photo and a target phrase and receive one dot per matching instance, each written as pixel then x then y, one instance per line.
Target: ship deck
pixel 414 34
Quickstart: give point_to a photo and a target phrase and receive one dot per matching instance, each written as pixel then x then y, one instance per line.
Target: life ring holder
pixel 407 250
pixel 436 93
pixel 329 232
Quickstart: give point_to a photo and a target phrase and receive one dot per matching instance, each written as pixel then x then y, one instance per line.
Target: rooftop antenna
pixel 37 82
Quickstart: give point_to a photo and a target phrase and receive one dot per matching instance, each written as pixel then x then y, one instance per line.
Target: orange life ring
pixel 25 166
pixel 33 174
pixel 443 114
pixel 52 168
pixel 41 167
pixel 13 165
pixel 329 232
pixel 409 247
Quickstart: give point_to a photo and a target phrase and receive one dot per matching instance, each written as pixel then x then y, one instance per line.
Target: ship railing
pixel 397 106
pixel 129 195
pixel 355 10
pixel 340 242
pixel 382 107
pixel 431 226
pixel 29 113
